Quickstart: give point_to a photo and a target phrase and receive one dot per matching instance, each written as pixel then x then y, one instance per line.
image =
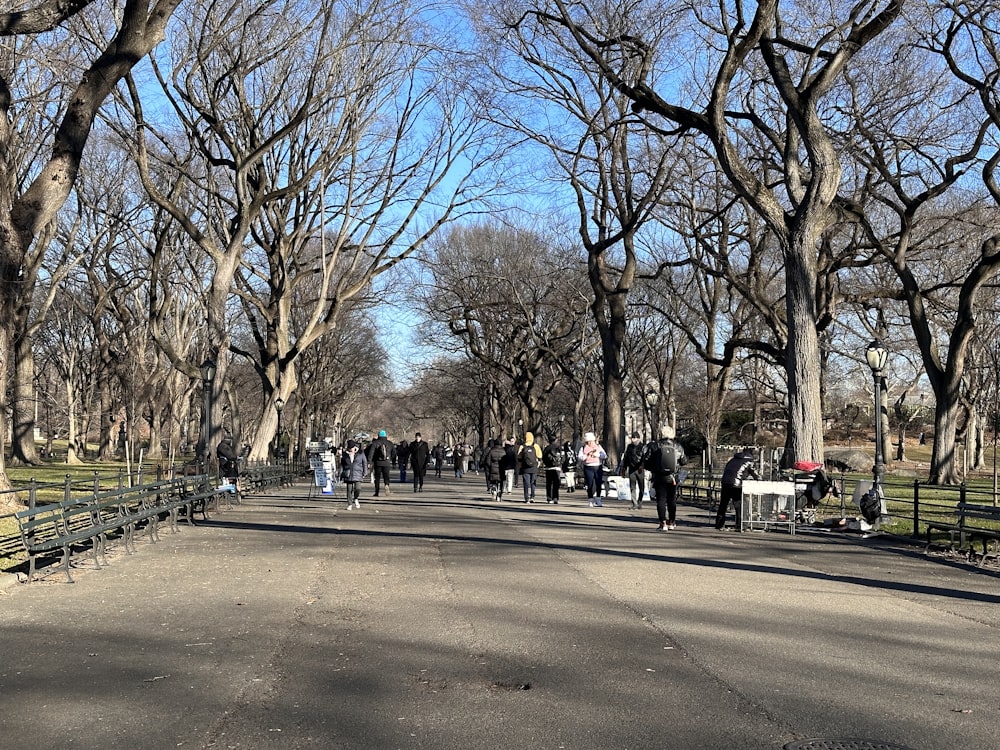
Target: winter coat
pixel 740 467
pixel 390 452
pixel 420 454
pixel 510 457
pixel 635 454
pixel 552 457
pixel 569 458
pixel 402 453
pixel 494 463
pixel 354 469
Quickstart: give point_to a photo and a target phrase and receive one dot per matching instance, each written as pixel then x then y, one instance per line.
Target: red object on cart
pixel 807 465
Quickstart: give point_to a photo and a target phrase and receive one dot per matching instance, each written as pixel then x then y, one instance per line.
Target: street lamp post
pixel 653 398
pixel 279 404
pixel 207 371
pixel 877 356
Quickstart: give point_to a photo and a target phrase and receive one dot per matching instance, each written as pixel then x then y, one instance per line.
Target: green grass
pixel 50 476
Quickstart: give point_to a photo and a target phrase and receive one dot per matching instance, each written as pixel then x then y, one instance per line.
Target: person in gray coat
pixel 353 470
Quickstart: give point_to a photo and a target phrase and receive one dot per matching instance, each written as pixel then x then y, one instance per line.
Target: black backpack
pixel 382 452
pixel 529 458
pixel 662 458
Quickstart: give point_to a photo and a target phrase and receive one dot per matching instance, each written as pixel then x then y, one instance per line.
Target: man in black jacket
pixel 740 467
pixel 420 456
pixel 383 453
pixel 663 458
pixel 632 467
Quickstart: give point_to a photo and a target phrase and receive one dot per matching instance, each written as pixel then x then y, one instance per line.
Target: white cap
pixel 589 437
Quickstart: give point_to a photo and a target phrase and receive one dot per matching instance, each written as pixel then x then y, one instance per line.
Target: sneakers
pixel 671 526
pixel 357 503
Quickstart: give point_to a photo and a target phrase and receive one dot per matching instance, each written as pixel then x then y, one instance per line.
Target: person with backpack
pixel 739 467
pixel 528 459
pixel 552 460
pixel 593 456
pixel 663 457
pixel 633 467
pixel 383 453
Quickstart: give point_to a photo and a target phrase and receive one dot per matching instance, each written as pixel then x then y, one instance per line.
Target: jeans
pixel 593 476
pixel 528 479
pixel 637 486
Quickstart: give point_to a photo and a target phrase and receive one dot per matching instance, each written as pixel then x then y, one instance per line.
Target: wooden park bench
pixel 973 523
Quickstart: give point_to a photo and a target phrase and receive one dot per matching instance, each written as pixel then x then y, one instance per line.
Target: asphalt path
pixel 443 620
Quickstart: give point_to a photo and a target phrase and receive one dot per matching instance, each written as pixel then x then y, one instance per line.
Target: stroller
pixel 816 487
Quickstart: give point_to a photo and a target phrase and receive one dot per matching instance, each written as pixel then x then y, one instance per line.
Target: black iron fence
pixel 911 504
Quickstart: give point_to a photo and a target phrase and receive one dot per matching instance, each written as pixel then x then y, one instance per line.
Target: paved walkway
pixel 441 620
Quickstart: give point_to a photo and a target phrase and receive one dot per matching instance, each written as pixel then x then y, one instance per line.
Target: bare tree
pixel 314 145
pixel 516 303
pixel 26 210
pixel 770 71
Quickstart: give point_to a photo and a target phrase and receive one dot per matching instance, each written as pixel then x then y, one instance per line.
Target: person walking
pixel 528 458
pixel 383 454
pixel 552 460
pixel 402 459
pixel 739 467
pixel 593 456
pixel 493 460
pixel 420 456
pixel 632 466
pixel 438 455
pixel 569 466
pixel 509 464
pixel 663 457
pixel 353 470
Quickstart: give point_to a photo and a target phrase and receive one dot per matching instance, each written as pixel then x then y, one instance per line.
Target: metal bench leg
pixel 65 563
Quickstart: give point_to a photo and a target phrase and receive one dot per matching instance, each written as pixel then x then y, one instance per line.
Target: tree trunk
pixel 944 460
pixel 610 315
pixel 155 449
pixel 72 457
pixel 105 446
pixel 805 408
pixel 23 448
